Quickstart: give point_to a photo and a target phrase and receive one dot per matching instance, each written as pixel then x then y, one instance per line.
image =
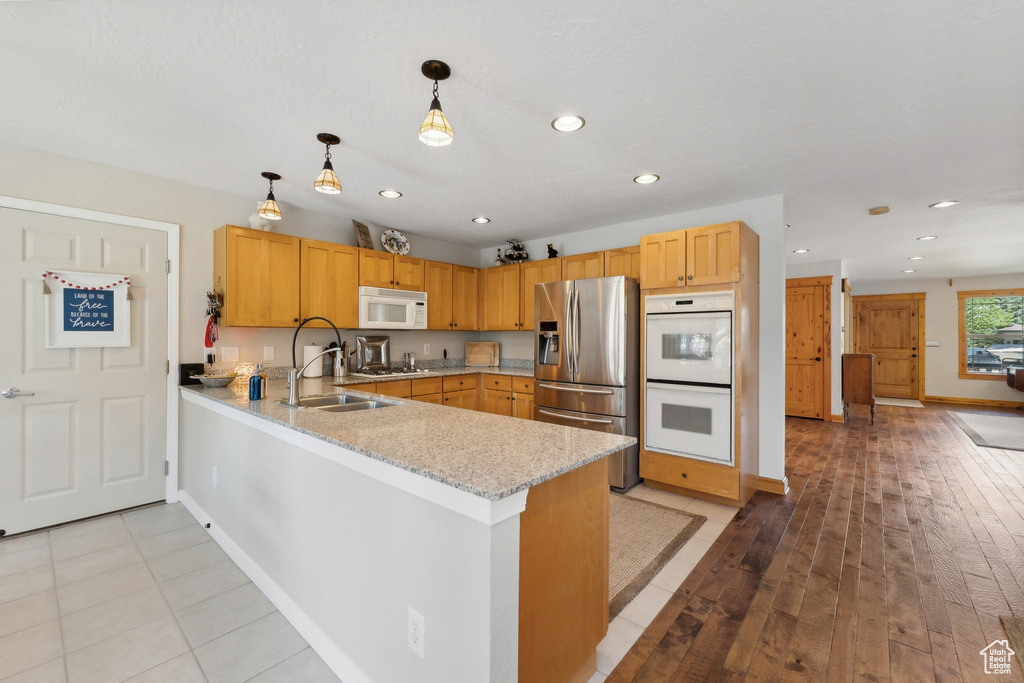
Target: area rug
pixel 904 402
pixel 993 431
pixel 1014 628
pixel 643 538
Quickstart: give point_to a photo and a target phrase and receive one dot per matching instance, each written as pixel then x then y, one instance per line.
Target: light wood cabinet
pixel 401 388
pixel 531 274
pixel 705 255
pixel 716 480
pixel 465 298
pixel 438 277
pixel 496 401
pixel 376 269
pixel 463 398
pixel 522 398
pixel 500 296
pixel 368 387
pixel 258 274
pixel 713 254
pixel 428 390
pixel 625 261
pixel 583 266
pixel 409 273
pixel 329 283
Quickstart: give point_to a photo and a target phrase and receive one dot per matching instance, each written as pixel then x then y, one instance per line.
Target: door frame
pixel 920 297
pixel 173 248
pixel 826 345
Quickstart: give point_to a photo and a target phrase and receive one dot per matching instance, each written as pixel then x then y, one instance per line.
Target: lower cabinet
pixel 428 390
pixel 460 391
pixel 495 394
pixel 522 397
pixel 717 480
pixel 401 388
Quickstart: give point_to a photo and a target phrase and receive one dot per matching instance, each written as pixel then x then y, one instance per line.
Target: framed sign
pixel 362 235
pixel 86 310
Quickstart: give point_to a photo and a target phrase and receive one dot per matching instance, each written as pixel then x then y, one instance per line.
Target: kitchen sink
pixel 337 403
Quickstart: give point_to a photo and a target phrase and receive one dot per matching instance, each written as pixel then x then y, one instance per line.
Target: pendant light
pixel 327 181
pixel 435 131
pixel 269 208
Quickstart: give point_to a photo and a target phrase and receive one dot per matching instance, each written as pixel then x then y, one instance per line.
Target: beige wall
pixel 942 325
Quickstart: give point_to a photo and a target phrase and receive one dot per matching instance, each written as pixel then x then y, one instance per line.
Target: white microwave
pixel 392 309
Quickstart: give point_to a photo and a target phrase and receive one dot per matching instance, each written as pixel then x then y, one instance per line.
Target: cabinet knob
pixel 295 320
pixel 680 277
pixel 689 277
pixel 818 358
pixel 391 282
pixel 913 348
pixel 684 475
pixel 913 355
pixel 455 324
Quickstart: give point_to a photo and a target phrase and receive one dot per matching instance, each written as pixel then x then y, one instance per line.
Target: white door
pixel 93 438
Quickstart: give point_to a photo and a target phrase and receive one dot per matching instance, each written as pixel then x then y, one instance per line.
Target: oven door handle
pixel 562 416
pixel 678 386
pixel 582 391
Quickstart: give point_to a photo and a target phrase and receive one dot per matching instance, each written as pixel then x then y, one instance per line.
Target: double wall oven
pixel 688 383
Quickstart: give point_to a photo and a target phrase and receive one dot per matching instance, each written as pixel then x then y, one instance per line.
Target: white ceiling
pixel 839 106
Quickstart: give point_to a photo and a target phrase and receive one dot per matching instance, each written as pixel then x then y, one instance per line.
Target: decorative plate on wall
pixel 395 242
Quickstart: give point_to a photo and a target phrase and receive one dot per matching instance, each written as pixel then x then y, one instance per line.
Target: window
pixel 991 333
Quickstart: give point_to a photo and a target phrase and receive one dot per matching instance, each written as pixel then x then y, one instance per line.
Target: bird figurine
pixel 552 252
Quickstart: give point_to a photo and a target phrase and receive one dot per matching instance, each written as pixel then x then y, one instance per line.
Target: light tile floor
pixel 638 614
pixel 141 596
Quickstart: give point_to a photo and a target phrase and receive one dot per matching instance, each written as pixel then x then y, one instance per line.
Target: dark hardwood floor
pixel 892 557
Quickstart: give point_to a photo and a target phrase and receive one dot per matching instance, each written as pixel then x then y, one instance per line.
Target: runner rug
pixel 643 538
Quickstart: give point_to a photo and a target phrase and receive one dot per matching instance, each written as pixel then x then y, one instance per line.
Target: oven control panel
pixel 683 303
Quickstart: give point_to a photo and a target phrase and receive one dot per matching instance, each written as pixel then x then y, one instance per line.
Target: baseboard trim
pixel 837 418
pixel 333 657
pixel 975 401
pixel 779 486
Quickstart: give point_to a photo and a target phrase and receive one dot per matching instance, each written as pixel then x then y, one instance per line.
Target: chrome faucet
pixel 294 373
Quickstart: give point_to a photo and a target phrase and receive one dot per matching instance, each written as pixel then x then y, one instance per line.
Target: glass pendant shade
pixel 435 131
pixel 269 209
pixel 327 181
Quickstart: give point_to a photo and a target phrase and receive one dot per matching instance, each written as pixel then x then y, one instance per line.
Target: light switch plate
pixel 229 354
pixel 268 352
pixel 932 342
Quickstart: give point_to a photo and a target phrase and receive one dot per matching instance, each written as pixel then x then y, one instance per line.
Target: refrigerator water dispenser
pixel 547 344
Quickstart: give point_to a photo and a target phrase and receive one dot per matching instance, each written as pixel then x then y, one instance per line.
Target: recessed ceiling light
pixel 481 219
pixel 646 179
pixel 915 258
pixel 910 271
pixel 926 237
pixel 943 205
pixel 800 251
pixel 878 210
pixel 390 194
pixel 568 124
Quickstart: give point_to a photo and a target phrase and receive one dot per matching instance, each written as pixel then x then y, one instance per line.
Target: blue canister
pixel 255 387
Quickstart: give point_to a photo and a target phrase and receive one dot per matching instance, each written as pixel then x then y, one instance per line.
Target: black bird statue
pixel 552 252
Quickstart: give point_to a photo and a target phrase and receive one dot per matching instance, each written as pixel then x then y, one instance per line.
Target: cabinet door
pixel 329 283
pixel 438 278
pixel 258 273
pixel 663 260
pixel 465 298
pixel 501 297
pixel 376 269
pixel 531 274
pixel 624 261
pixel 280 280
pixel 496 402
pixel 713 254
pixel 409 274
pixel 583 265
pixel 522 405
pixel 401 388
pixel 430 398
pixel 465 398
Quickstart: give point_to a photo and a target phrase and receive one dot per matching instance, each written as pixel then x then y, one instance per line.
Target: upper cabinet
pixel 258 274
pixel 583 266
pixel 625 261
pixel 697 256
pixel 329 282
pixel 531 274
pixel 452 301
pixel 500 297
pixel 390 271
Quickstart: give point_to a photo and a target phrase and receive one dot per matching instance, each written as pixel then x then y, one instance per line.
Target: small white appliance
pixel 689 375
pixel 392 309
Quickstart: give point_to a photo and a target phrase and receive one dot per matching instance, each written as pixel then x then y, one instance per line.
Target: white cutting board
pixel 482 354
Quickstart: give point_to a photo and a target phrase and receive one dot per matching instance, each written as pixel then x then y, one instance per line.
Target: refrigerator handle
pixel 576 330
pixel 569 352
pixel 599 420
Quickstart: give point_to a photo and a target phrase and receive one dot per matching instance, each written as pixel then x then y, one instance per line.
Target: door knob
pixel 818 358
pixel 913 348
pixel 14 392
pixel 913 355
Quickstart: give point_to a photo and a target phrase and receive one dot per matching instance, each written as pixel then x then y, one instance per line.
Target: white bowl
pixel 217 380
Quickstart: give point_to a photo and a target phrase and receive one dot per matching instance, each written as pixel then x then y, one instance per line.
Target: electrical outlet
pixel 229 354
pixel 416 632
pixel 426 349
pixel 214 478
pixel 268 352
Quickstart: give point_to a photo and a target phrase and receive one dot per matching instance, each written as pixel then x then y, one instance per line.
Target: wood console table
pixel 858 382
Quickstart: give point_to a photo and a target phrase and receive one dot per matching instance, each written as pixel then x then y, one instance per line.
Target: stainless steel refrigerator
pixel 587 362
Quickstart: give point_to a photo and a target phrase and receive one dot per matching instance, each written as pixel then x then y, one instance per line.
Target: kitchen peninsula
pixel 492 531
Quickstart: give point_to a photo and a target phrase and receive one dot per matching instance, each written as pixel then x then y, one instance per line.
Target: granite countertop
pixel 490 456
pixel 438 372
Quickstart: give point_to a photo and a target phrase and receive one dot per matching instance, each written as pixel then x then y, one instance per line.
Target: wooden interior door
pixel 808 356
pixel 890 326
